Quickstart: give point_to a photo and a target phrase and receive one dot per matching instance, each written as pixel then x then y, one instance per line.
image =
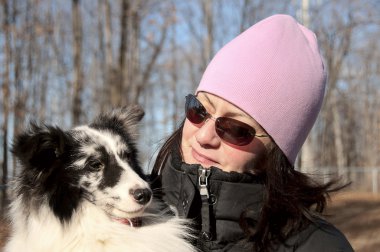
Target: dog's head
pixel 96 162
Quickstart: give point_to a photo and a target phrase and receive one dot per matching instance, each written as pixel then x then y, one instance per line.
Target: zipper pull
pixel 206 209
pixel 203 175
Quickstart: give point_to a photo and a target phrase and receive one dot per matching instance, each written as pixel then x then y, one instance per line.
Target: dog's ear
pixel 127 118
pixel 39 147
pixel 130 116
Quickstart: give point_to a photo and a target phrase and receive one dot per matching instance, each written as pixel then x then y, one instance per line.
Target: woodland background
pixel 62 62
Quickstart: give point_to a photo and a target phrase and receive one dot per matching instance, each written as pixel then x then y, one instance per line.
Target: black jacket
pixel 216 209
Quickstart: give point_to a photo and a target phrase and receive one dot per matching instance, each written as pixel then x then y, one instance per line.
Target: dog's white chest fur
pixel 92 231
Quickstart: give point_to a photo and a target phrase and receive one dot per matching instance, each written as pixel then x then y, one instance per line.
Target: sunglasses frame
pixel 203 116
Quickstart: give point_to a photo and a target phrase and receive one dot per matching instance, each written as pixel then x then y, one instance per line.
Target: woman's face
pixel 201 144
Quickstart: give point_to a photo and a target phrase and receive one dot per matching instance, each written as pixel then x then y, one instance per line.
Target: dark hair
pixel 292 199
pixel 174 141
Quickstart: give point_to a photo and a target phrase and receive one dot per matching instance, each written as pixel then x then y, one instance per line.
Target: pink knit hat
pixel 274 72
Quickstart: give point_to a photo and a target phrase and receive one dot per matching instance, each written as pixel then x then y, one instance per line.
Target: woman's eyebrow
pixel 207 99
pixel 236 114
pixel 229 113
pixel 232 113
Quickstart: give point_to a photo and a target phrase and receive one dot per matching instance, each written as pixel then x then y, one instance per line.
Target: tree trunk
pixel 108 33
pixel 135 80
pixel 20 100
pixel 77 55
pixel 208 51
pixel 157 48
pixel 338 138
pixel 307 155
pixel 174 78
pixel 6 94
pixel 119 75
pixel 336 49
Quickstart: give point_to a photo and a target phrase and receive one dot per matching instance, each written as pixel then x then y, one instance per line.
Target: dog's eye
pixel 96 165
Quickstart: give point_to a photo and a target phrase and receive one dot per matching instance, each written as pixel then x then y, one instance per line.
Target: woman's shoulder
pixel 320 236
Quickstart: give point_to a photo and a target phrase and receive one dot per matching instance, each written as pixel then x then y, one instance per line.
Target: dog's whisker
pixel 157 190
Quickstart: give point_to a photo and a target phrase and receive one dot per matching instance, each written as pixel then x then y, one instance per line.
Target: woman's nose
pixel 206 135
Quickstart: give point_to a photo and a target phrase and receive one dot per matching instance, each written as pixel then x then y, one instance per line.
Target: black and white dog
pixel 83 190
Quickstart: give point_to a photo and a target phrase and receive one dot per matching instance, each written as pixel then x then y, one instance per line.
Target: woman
pixel 230 165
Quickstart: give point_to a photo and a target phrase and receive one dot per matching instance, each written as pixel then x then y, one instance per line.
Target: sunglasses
pixel 230 130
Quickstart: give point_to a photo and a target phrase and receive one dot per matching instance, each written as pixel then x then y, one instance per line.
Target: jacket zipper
pixel 203 175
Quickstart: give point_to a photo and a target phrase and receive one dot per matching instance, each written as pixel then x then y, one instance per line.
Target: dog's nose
pixel 142 196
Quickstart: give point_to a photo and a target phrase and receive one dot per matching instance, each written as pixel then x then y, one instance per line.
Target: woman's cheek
pixel 236 160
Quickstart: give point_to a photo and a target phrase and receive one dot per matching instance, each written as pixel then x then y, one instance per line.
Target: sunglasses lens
pixel 228 129
pixel 234 131
pixel 195 111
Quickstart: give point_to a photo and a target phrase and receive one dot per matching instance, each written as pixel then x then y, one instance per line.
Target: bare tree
pixel 157 48
pixel 174 78
pixel 335 44
pixel 100 94
pixel 340 26
pixel 250 12
pixel 202 32
pixel 118 75
pixel 20 97
pixel 154 52
pixel 77 56
pixel 306 156
pixel 108 33
pixel 110 75
pixel 134 51
pixel 6 91
pixel 208 19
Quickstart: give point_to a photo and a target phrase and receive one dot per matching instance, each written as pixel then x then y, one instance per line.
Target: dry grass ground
pixel 357 215
pixel 3 232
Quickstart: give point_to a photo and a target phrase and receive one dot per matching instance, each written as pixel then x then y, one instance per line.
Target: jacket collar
pixel 233 193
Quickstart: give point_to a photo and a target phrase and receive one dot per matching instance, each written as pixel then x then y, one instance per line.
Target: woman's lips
pixel 204 160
